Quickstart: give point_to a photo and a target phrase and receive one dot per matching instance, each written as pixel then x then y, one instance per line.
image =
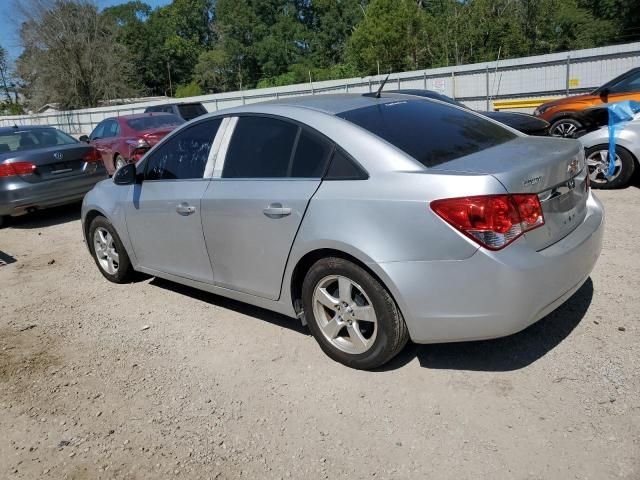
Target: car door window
pixel 114 129
pixel 627 85
pixel 311 156
pixel 98 132
pixel 261 147
pixel 184 155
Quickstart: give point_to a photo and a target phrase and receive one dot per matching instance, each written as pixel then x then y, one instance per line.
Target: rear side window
pixel 184 156
pixel 310 159
pixel 430 132
pixel 343 168
pixel 260 148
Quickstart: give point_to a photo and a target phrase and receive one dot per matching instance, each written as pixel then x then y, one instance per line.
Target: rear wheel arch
pixel 306 262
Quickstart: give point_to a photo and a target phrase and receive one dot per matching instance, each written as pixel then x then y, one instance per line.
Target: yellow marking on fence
pixel 521 103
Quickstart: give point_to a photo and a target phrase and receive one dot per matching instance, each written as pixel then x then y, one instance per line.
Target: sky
pixel 9 24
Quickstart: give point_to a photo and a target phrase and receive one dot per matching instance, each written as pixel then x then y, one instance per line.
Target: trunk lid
pixel 154 135
pixel 553 168
pixel 52 163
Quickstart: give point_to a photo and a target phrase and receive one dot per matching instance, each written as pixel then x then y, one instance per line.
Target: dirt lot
pixel 216 389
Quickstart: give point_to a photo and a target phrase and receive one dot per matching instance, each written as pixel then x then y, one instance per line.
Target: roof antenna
pixel 382 85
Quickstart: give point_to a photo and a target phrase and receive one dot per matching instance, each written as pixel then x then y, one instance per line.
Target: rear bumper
pixel 494 294
pixel 18 196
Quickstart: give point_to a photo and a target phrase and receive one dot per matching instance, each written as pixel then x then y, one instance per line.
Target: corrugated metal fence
pixel 477 85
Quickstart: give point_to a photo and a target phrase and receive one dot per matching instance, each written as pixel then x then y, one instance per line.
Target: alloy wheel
pixel 104 247
pixel 564 129
pixel 598 164
pixel 345 314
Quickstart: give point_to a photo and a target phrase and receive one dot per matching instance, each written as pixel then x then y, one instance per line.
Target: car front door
pixel 163 212
pixel 263 180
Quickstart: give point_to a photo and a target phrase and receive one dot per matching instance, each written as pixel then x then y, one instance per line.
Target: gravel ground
pixel 155 380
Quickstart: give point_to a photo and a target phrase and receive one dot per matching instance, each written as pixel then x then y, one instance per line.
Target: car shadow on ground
pixel 239 307
pixel 46 217
pixel 503 354
pixel 500 355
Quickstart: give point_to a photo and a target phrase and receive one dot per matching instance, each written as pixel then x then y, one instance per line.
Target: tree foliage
pixel 220 45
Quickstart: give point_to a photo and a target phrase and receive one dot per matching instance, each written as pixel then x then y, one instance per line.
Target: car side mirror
pixel 604 94
pixel 125 175
pixel 84 138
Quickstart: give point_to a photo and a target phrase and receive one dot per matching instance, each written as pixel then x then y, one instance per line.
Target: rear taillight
pixel 494 221
pixel 137 148
pixel 92 155
pixel 16 168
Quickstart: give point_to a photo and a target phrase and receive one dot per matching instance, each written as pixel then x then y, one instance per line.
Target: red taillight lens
pixel 16 168
pixel 494 221
pixel 92 155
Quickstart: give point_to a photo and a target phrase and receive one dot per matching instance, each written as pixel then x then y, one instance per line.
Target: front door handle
pixel 185 209
pixel 276 210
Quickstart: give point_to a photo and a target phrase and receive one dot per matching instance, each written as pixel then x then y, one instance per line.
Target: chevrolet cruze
pixel 371 219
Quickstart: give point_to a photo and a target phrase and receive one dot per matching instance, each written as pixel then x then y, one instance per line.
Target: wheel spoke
pixel 358 341
pixel 333 327
pixel 365 313
pixel 326 299
pixel 114 256
pixel 344 289
pixel 111 268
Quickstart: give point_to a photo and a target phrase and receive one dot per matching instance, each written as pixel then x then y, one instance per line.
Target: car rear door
pixel 266 172
pixel 163 212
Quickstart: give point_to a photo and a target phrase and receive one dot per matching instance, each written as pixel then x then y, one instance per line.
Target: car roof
pixel 22 128
pixel 140 115
pixel 338 103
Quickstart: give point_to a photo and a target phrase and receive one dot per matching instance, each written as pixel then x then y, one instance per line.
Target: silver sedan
pixel 372 220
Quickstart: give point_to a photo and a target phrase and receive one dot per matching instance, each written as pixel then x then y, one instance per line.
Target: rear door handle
pixel 276 210
pixel 185 209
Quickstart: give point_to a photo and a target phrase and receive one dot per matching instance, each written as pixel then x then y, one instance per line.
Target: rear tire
pixel 118 161
pixel 597 162
pixel 352 316
pixel 565 128
pixel 108 252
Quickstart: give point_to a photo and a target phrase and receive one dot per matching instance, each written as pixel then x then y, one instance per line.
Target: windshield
pixel 432 133
pixel 154 121
pixel 21 140
pixel 189 111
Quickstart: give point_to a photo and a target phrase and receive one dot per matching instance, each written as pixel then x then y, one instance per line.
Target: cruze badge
pixel 58 156
pixel 573 166
pixel 532 181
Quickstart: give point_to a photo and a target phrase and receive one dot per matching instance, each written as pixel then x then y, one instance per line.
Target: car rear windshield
pixel 154 121
pixel 430 132
pixel 19 141
pixel 190 111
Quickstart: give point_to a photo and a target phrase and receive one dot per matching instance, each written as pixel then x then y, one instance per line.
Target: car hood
pixel 586 98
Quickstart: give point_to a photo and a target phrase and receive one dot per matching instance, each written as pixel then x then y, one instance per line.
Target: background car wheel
pixel 119 161
pixel 351 315
pixel 598 164
pixel 565 127
pixel 108 251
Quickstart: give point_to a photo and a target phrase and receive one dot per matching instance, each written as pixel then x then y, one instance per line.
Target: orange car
pixel 567 115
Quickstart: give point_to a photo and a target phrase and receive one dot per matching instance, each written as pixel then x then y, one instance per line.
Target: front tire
pixel 565 128
pixel 598 164
pixel 108 252
pixel 352 316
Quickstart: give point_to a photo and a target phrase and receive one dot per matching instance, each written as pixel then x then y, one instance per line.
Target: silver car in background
pixel 627 158
pixel 373 220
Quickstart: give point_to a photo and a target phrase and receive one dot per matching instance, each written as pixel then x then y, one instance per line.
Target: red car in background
pixel 125 139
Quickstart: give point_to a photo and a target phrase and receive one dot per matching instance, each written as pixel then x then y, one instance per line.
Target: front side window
pixel 184 156
pixel 260 148
pixel 432 133
pixel 98 132
pixel 627 85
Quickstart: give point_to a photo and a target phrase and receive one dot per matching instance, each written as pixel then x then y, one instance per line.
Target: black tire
pixel 3 220
pixel 117 157
pixel 628 165
pixel 124 272
pixel 392 334
pixel 565 127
